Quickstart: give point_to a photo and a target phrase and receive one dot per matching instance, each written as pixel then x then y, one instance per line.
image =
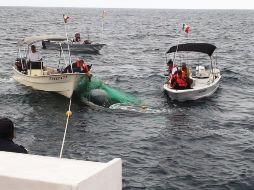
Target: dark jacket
pixel 9 146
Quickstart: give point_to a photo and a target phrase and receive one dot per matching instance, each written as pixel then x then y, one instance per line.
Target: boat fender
pixel 68 114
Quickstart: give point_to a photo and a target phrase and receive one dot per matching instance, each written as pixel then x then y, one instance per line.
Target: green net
pixel 113 95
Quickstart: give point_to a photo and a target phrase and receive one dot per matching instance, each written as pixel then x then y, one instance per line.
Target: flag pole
pixel 67 38
pixel 176 50
pixel 187 30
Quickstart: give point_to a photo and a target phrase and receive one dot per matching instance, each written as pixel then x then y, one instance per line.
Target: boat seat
pixel 35 68
pixel 50 71
pixel 34 65
pixel 35 72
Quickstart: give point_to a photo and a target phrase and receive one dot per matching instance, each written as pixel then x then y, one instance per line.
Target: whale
pixel 96 97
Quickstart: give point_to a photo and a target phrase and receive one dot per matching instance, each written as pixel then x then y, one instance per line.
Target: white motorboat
pixel 41 77
pixel 76 45
pixel 205 79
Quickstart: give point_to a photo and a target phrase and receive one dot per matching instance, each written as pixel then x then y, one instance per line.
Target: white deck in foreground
pixel 32 172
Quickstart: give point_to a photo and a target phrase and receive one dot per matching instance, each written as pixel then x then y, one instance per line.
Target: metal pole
pixel 68 46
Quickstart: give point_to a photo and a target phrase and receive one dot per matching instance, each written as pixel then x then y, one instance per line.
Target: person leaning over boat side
pixel 169 69
pixel 75 67
pixel 34 55
pixel 186 74
pixel 6 136
pixel 79 66
pixel 174 69
pixel 85 68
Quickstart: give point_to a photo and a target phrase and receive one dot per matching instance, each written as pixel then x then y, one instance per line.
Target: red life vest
pixel 183 74
pixel 78 63
pixel 181 82
pixel 85 68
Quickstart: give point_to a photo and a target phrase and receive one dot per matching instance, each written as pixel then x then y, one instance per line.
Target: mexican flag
pixel 65 17
pixel 186 28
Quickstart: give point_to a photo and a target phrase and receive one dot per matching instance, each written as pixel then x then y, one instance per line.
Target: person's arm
pixel 28 56
pixel 39 57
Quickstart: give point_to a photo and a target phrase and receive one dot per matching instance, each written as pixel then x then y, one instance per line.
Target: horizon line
pixel 146 8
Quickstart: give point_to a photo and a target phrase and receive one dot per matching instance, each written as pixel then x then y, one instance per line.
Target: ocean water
pixel 203 144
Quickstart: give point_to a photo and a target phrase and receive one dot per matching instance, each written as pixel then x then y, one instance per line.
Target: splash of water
pixel 138 108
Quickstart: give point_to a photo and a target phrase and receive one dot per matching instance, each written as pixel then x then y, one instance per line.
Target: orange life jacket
pixel 186 73
pixel 78 63
pixel 85 68
pixel 181 82
pixel 183 74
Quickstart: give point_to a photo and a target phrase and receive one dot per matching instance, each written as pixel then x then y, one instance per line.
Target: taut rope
pixel 68 114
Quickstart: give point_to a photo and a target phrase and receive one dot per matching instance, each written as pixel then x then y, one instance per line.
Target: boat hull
pixel 194 93
pixel 62 83
pixel 79 48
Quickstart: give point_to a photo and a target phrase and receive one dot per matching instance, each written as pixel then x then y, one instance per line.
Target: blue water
pixel 205 144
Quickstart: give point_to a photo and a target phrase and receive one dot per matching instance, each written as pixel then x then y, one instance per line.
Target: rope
pixel 68 114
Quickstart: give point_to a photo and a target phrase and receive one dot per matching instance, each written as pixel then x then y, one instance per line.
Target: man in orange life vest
pixel 178 81
pixel 81 67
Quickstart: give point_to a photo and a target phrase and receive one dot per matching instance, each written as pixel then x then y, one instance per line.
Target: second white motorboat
pixel 205 79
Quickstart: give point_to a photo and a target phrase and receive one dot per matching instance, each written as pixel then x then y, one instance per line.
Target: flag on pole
pixel 65 17
pixel 186 28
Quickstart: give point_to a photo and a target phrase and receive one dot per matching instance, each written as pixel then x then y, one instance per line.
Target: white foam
pixel 139 109
pixel 6 80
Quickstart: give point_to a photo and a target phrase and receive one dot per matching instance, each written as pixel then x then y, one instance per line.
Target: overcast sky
pixel 168 4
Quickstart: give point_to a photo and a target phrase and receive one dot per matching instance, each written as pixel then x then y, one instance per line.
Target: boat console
pixel 201 72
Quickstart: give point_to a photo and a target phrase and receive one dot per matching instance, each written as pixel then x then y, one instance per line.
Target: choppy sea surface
pixel 203 144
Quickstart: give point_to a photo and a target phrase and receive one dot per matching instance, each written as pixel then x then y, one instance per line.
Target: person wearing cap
pixel 170 67
pixel 34 55
pixel 6 137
